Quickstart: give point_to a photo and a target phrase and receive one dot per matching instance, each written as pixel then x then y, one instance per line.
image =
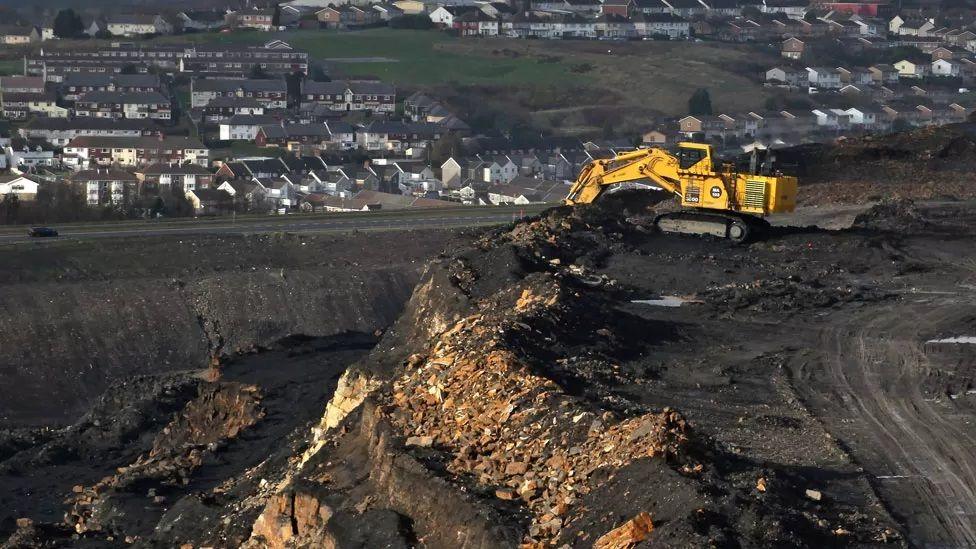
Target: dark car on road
pixel 42 231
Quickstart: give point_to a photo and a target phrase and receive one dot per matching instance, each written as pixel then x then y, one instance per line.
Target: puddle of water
pixel 665 301
pixel 957 339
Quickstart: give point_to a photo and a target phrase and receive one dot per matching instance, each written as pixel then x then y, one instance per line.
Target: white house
pixel 137 24
pixel 824 77
pixel 451 173
pixel 26 158
pixel 19 186
pixel 945 67
pixel 832 119
pixel 788 76
pixel 865 118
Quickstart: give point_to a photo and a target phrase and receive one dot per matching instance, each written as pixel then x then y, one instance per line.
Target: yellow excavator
pixel 716 200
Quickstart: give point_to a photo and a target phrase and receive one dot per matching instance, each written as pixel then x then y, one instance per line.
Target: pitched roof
pixel 103 174
pixel 21 82
pixel 124 98
pixel 180 169
pixel 120 80
pixel 233 102
pixel 337 87
pixel 167 142
pixel 230 85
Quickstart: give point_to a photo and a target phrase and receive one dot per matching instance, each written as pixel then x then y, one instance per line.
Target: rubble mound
pixel 893 215
pixel 218 414
pixel 930 163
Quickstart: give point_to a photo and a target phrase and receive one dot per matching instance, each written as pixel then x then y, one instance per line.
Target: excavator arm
pixel 654 166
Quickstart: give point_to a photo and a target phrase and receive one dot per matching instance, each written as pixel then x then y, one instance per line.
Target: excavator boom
pixel 717 201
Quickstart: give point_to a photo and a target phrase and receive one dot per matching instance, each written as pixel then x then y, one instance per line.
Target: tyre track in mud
pixel 875 365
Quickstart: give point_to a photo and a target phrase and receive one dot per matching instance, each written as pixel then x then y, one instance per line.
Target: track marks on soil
pixel 876 364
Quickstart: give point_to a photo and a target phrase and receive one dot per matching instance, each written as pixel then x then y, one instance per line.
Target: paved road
pixel 421 219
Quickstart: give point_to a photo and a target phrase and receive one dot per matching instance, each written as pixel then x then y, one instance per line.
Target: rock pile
pixel 218 414
pixel 512 430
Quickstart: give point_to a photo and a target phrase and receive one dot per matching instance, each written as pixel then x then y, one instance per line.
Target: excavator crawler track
pixel 735 227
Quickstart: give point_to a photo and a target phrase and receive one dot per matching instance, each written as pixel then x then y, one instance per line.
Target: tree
pixel 900 125
pixel 751 12
pixel 67 24
pixel 700 102
pixel 276 17
pixel 258 73
pixel 810 16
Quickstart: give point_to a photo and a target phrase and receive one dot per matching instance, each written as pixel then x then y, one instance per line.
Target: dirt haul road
pixel 898 383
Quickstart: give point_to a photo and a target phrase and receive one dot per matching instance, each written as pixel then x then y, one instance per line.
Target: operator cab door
pixel 702 185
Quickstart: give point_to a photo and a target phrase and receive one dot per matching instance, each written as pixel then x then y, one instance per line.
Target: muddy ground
pixel 551 381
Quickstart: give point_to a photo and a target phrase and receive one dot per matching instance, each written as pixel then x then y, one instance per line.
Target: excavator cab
pixel 695 158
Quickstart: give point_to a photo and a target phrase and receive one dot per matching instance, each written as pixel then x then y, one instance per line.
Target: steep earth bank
pixel 77 316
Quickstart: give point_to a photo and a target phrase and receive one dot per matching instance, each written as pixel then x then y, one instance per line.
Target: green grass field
pixel 11 66
pixel 417 57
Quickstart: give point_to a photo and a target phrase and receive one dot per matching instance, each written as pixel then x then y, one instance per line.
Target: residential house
pixel 622 8
pixel 787 76
pixel 294 136
pixel 24 157
pixel 260 19
pixel 124 151
pixel 271 93
pixel 243 127
pixel 60 131
pixel 106 185
pixel 11 35
pixel 247 195
pixel 201 20
pixel 824 77
pixel 883 74
pixel 210 201
pixel 75 85
pixel 130 105
pixel 24 188
pixel 476 23
pixel 792 48
pixel 340 95
pixel 137 25
pixel 444 16
pixel 172 178
pixel 18 106
pixel 275 57
pixel 945 67
pixel 662 24
pixel 832 119
pixel 857 76
pixel 867 118
pixel 252 168
pixel 911 69
pixel 223 108
pixel 795 9
pixel 22 84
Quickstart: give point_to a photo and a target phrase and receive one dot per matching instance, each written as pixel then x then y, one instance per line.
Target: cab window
pixel 689 157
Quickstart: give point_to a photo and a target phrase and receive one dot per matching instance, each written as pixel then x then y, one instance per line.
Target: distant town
pixel 135 115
